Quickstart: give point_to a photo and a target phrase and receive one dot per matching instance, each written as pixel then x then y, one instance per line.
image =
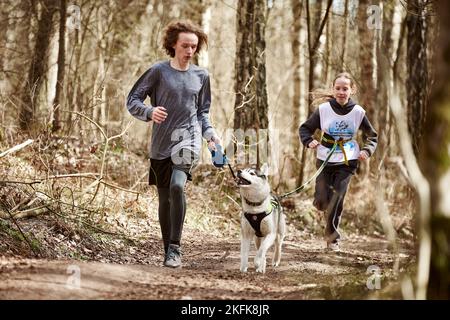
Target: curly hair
pixel 174 28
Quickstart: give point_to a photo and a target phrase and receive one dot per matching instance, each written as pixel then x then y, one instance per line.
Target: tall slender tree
pixel 417 84
pixel 384 78
pixel 343 57
pixel 36 72
pixel 61 65
pixel 295 47
pixel 367 36
pixel 313 47
pixel 251 105
pixel 435 161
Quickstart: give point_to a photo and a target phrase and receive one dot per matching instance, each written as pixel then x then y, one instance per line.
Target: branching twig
pixel 5 207
pixel 105 150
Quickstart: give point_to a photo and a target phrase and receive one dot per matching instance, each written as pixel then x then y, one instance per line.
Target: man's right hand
pixel 159 114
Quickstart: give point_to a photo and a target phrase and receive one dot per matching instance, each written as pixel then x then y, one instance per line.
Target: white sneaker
pixel 333 246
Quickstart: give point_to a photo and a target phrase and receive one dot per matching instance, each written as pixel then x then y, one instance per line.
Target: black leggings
pixel 172 208
pixel 331 187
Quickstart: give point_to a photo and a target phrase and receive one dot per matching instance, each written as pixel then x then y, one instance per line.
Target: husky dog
pixel 262 218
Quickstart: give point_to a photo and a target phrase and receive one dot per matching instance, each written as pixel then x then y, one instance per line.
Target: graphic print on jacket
pixel 340 126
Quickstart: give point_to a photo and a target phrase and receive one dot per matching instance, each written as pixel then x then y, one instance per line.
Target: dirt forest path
pixel 210 271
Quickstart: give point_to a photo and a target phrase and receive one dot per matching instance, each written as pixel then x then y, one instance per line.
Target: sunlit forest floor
pixel 111 237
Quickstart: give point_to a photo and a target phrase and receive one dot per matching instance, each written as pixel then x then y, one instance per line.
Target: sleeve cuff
pixel 149 113
pixel 209 134
pixel 306 142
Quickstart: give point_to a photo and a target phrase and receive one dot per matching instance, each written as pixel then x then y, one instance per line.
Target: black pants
pixel 172 208
pixel 331 187
pixel 170 178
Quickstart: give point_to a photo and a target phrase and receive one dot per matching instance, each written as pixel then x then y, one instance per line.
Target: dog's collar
pixel 254 204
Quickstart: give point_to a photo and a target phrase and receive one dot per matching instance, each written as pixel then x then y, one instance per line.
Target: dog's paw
pixel 275 264
pixel 261 269
pixel 260 265
pixel 243 269
pixel 257 262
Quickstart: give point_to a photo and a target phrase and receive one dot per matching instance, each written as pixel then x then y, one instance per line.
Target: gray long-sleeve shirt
pixel 186 96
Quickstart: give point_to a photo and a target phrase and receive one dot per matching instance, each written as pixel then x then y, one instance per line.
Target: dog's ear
pixel 265 169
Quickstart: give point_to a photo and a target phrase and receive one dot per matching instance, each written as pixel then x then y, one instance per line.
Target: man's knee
pixel 176 189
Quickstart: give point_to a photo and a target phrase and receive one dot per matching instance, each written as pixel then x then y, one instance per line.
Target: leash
pixel 231 170
pixel 298 189
pixel 336 143
pixel 303 185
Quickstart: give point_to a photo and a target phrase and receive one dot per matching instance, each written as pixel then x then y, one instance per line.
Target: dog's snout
pixel 239 171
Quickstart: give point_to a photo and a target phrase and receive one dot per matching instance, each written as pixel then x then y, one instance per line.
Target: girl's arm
pixel 370 136
pixel 308 128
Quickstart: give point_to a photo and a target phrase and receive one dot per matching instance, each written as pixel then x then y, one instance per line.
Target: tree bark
pixel 31 90
pixel 435 161
pixel 296 82
pixel 344 37
pixel 313 46
pixel 367 54
pixel 251 104
pixel 417 83
pixel 384 79
pixel 61 65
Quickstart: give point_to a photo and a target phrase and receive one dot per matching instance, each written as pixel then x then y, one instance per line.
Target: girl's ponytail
pixel 319 96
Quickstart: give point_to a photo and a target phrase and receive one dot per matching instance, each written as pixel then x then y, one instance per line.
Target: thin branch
pixel 322 25
pixel 5 207
pixel 16 148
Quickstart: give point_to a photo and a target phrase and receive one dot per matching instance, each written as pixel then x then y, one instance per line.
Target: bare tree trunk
pixel 344 37
pixel 328 49
pixel 4 22
pixel 367 54
pixel 367 84
pixel 384 79
pixel 295 46
pixel 251 105
pixel 436 163
pixel 313 46
pixel 98 93
pixel 417 84
pixel 61 65
pixel 36 72
pixel 75 96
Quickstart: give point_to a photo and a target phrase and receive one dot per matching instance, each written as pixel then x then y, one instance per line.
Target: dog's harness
pixel 255 218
